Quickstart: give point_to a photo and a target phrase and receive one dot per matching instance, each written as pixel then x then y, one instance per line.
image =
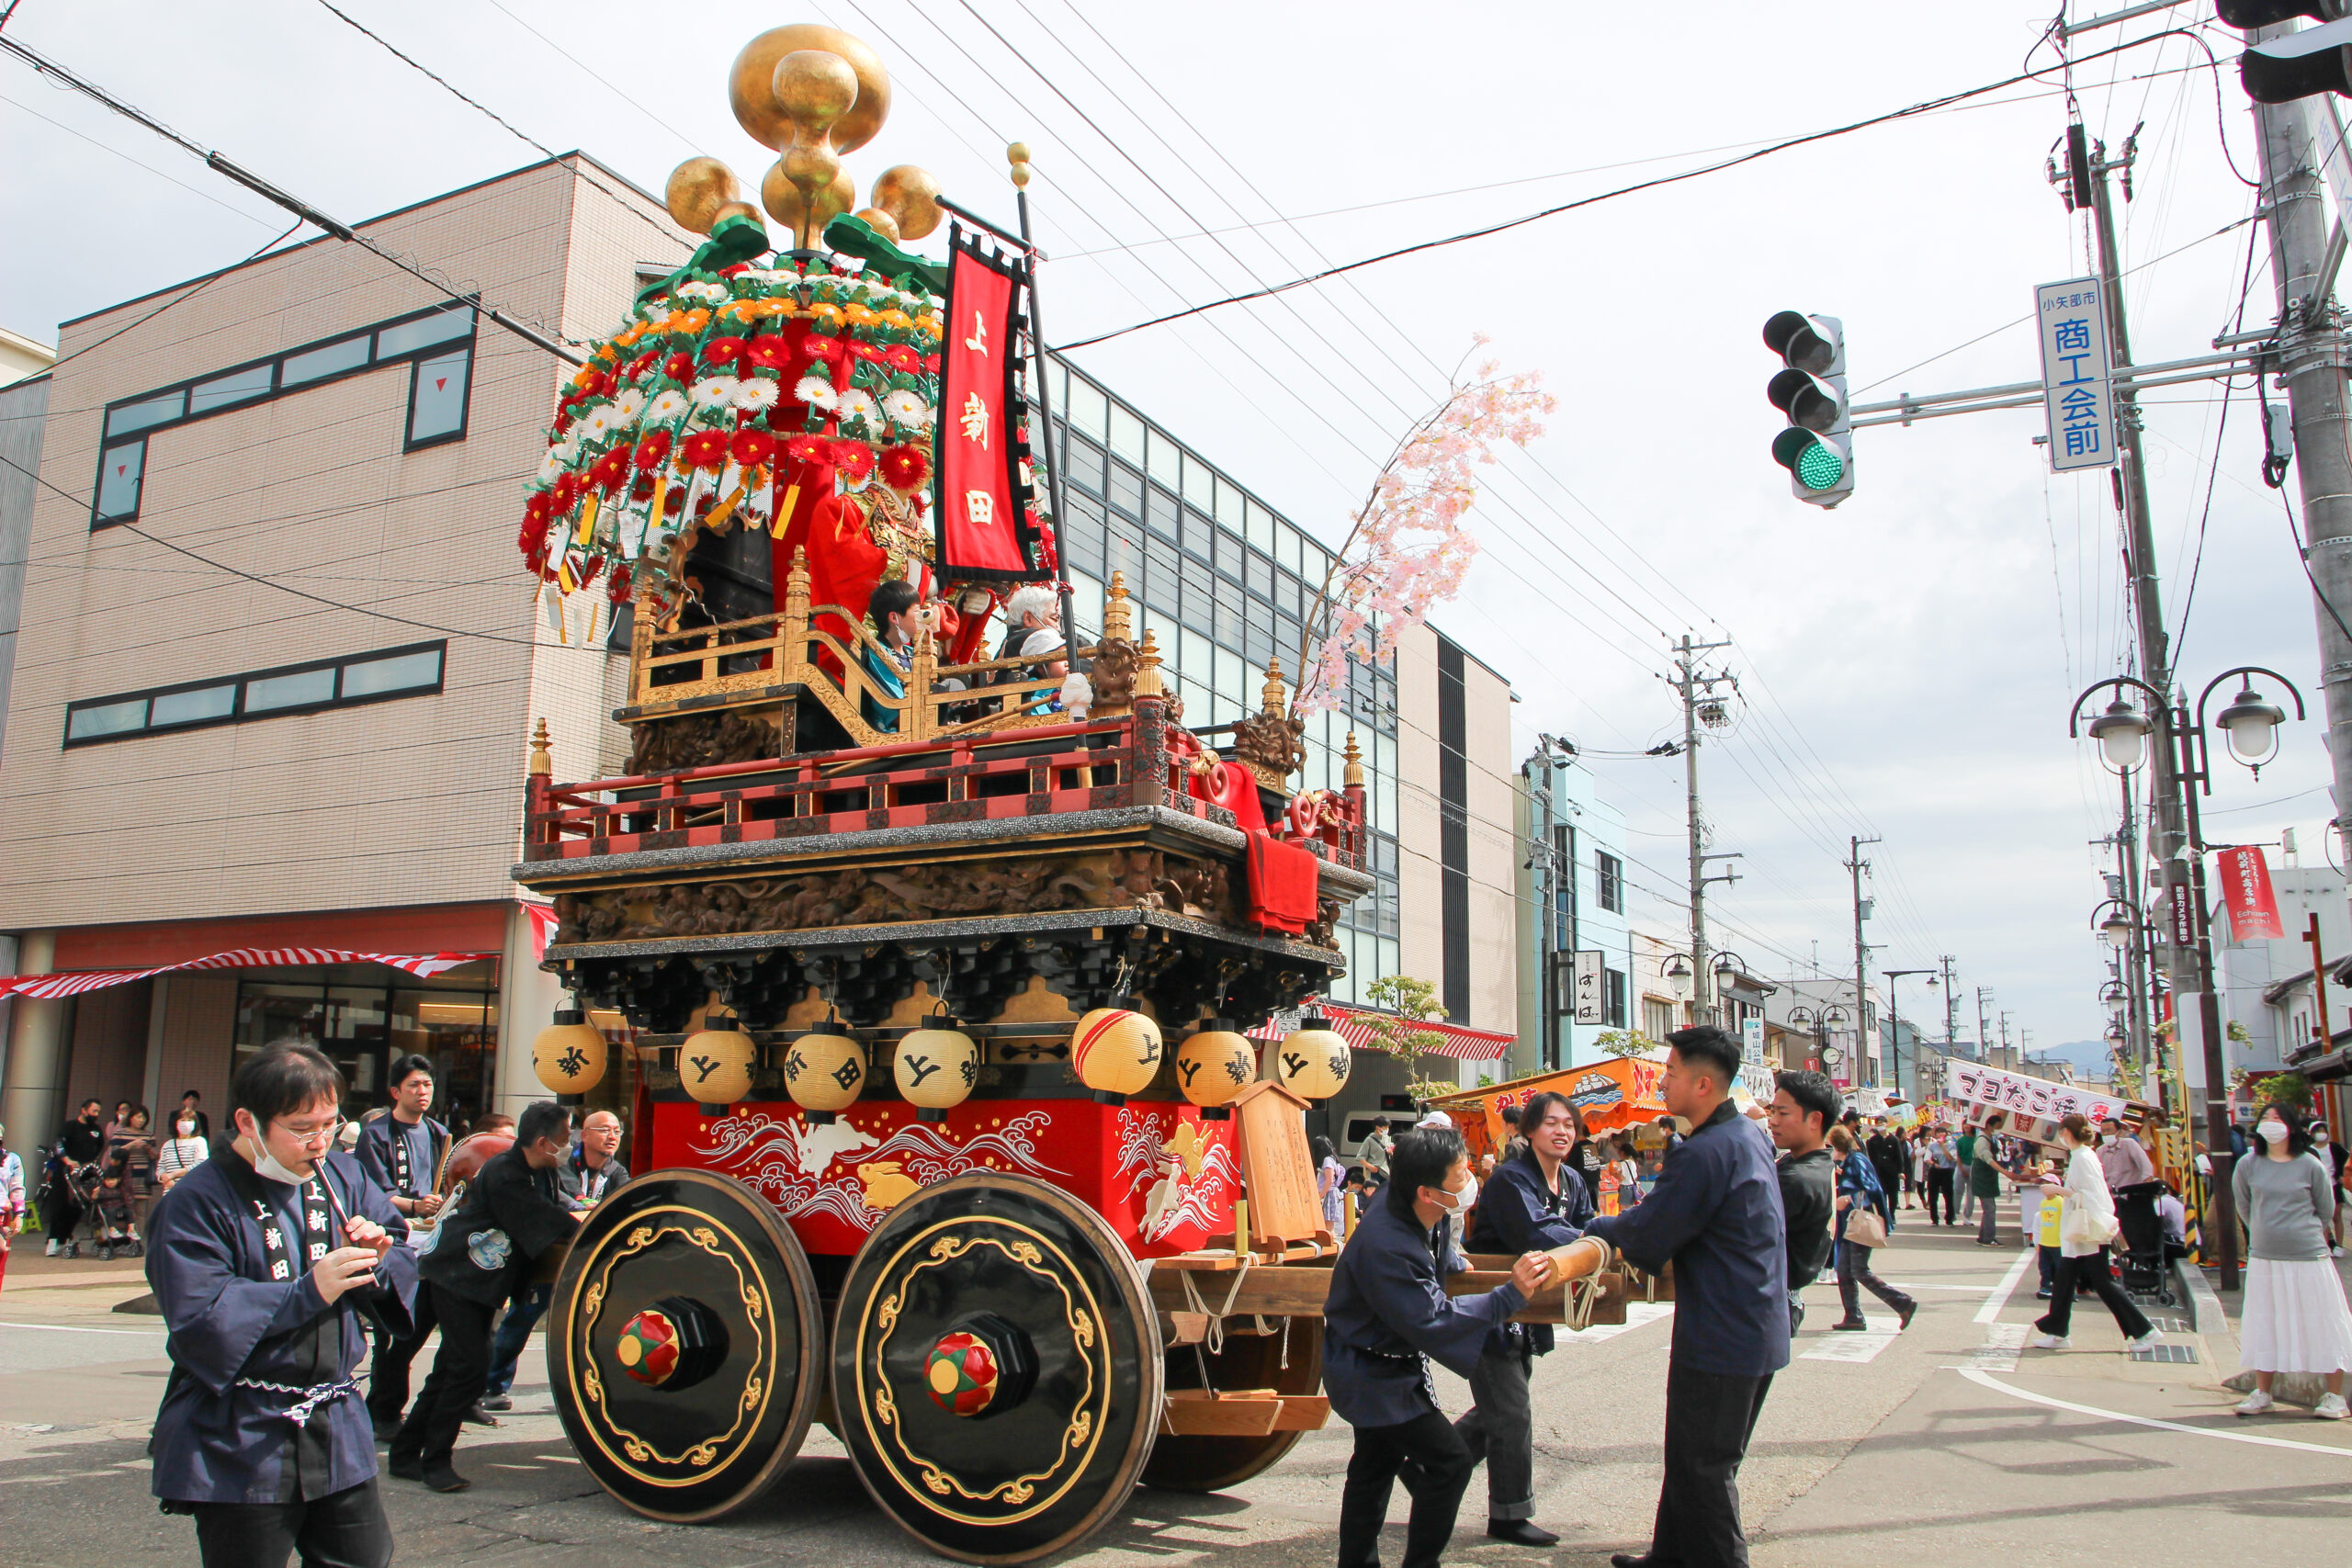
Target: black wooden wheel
pixel 996 1368
pixel 1246 1360
pixel 685 1344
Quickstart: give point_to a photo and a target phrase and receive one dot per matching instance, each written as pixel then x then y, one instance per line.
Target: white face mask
pixel 2274 1132
pixel 1460 1202
pixel 2319 1136
pixel 187 1129
pixel 267 1166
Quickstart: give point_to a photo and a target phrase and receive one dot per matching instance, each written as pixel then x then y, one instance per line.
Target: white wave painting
pixel 850 1174
pixel 1188 1175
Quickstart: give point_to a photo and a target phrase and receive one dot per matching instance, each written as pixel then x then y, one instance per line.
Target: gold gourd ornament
pixel 752 86
pixel 824 1071
pixel 1115 1052
pixel 704 191
pixel 716 1061
pixel 904 204
pixel 1214 1064
pixel 569 1055
pixel 1313 1060
pixel 936 1069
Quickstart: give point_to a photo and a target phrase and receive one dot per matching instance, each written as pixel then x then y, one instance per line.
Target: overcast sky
pixel 1907 659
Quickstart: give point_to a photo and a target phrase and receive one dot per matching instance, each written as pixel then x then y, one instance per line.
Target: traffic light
pixel 1818 446
pixel 2299 64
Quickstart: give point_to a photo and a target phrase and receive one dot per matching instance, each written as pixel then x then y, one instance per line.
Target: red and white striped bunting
pixel 73 982
pixel 1462 1042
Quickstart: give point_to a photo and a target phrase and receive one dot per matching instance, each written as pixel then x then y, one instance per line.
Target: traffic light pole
pixel 2311 363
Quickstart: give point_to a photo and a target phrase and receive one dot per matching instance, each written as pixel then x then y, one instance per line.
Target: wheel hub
pixel 980 1367
pixel 671 1345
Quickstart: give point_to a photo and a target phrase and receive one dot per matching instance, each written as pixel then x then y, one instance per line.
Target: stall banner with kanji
pixel 984 533
pixel 2245 887
pixel 2033 1106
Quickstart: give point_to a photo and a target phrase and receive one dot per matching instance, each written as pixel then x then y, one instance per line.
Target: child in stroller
pixel 107 1199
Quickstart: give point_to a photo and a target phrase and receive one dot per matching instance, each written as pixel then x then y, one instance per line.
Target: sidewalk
pixel 29 1269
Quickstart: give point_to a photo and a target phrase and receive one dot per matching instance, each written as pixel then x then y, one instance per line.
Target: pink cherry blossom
pixel 1408 548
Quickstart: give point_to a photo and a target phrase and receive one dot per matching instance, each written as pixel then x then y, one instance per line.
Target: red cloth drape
pixel 1281 884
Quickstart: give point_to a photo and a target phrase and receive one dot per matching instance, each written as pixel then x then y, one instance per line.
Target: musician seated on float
pixel 266 1258
pixel 1029 610
pixel 1387 1315
pixel 897 616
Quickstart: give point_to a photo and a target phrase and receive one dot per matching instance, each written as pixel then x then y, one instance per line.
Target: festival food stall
pixel 938 968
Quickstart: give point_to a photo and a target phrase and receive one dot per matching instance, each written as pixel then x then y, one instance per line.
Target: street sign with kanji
pixel 2078 374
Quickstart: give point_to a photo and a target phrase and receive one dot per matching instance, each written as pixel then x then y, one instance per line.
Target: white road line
pixel 1923 1285
pixel 1999 1351
pixel 69 1328
pixel 1995 1383
pixel 1991 1311
pixel 1848 1347
pixel 1636 1314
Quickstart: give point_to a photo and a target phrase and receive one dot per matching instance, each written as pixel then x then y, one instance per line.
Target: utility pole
pixel 1951 1011
pixel 2005 1033
pixel 1856 864
pixel 1984 1029
pixel 1693 689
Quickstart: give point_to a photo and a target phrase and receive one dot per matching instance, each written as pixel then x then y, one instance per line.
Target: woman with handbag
pixel 2295 1319
pixel 1862 1205
pixel 2086 1225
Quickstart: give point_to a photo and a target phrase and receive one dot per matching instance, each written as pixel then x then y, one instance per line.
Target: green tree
pixel 1625 1042
pixel 1406 1002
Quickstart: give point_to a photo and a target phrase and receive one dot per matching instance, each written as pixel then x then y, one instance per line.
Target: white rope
pixel 1215 1338
pixel 306 1400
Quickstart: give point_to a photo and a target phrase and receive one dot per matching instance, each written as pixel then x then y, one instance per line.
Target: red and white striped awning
pixel 72 983
pixel 1461 1041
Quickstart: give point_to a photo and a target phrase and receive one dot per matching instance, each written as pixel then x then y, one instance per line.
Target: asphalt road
pixel 1943 1444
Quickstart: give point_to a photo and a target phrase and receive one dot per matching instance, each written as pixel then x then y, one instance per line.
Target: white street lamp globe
pixel 1677 974
pixel 2115 929
pixel 2252 724
pixel 2122 733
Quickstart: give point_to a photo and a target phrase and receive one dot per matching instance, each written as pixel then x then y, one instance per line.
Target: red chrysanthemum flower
pixel 538 509
pixel 906 468
pixel 768 353
pixel 641 488
pixel 652 450
pixel 704 449
pixel 679 368
pixel 752 448
pixel 588 573
pixel 808 449
pixel 564 494
pixel 611 470
pixel 675 501
pixel 722 351
pixel 642 363
pixel 617 591
pixel 854 458
pixel 598 385
pixel 819 346
pixel 930 365
pixel 899 357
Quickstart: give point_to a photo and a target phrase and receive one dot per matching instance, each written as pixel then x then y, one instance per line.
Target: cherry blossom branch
pixel 1408 548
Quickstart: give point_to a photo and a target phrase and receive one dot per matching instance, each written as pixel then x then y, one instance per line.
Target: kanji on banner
pixel 2031 1107
pixel 984 530
pixel 2246 888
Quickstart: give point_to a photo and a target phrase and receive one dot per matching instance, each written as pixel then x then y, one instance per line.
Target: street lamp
pixel 2121 730
pixel 1895 1028
pixel 2117 928
pixel 1678 975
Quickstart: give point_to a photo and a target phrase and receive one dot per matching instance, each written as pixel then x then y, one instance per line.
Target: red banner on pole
pixel 2246 888
pixel 983 506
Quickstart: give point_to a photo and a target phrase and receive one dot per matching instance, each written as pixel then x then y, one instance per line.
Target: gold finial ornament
pixel 909 196
pixel 814 87
pixel 752 86
pixel 1353 777
pixel 702 191
pixel 1117 611
pixel 786 204
pixel 1018 156
pixel 542 758
pixel 1275 701
pixel 1148 680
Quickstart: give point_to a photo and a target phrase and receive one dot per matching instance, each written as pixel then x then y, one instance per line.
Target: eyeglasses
pixel 320 1137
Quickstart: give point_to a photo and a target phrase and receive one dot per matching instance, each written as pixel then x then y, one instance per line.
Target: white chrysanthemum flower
pixel 553 464
pixel 757 395
pixel 858 404
pixel 628 403
pixel 906 408
pixel 714 392
pixel 667 409
pixel 596 425
pixel 709 292
pixel 816 392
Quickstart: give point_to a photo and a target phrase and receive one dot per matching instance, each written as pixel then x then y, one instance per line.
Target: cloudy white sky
pixel 1907 659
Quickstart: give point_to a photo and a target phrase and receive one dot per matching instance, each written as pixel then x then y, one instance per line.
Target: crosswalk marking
pixel 1849 1346
pixel 1999 1351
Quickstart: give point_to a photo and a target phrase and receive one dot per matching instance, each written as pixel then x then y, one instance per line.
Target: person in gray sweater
pixel 2295 1318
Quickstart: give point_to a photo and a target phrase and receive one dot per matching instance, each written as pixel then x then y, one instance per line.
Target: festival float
pixel 938 970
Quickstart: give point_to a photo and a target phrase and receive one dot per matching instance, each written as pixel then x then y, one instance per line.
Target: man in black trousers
pixel 1716 1214
pixel 481 1252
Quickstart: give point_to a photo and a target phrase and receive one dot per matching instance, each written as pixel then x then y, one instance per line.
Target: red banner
pixel 983 506
pixel 2246 888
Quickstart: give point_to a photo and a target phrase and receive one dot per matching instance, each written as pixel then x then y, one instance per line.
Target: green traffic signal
pixel 1818 464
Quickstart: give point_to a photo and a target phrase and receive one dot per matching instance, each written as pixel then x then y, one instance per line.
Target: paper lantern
pixel 823 1073
pixel 1115 1051
pixel 935 1069
pixel 569 1054
pixel 1312 1062
pixel 715 1065
pixel 1216 1063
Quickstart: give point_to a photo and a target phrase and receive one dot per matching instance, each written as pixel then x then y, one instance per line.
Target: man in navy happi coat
pixel 262 1259
pixel 1386 1314
pixel 1716 1215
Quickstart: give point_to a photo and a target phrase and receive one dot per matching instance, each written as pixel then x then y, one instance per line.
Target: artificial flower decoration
pixel 907 410
pixel 667 408
pixel 722 351
pixel 704 449
pixel 816 392
pixel 901 358
pixel 750 448
pixel 808 449
pixel 855 459
pixel 610 471
pixel 714 392
pixel 770 353
pixel 755 396
pixel 906 468
pixel 679 368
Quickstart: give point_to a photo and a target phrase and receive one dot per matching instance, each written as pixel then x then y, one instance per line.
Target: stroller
pixel 64 1202
pixel 109 1216
pixel 2142 1252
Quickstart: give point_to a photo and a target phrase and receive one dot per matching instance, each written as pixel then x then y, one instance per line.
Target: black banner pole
pixel 1045 445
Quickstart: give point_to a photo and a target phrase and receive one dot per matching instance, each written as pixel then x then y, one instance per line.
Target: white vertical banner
pixel 1588 1003
pixel 2188 1009
pixel 1752 1040
pixel 2078 374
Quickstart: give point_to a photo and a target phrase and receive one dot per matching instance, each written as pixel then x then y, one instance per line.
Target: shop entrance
pixel 364 1016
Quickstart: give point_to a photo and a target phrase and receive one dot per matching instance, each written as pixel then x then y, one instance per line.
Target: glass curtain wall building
pixel 1224 583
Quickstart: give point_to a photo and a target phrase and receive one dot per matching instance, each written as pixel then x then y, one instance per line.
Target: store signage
pixel 1586 989
pixel 1752 1040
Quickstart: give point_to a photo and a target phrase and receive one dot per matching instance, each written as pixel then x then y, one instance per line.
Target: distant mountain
pixel 2086 1054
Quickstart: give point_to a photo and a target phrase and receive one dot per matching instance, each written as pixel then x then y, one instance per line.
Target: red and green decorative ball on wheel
pixel 648 1349
pixel 961 1374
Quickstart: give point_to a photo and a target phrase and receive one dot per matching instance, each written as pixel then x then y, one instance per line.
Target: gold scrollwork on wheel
pixel 750 1406
pixel 1078 1438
